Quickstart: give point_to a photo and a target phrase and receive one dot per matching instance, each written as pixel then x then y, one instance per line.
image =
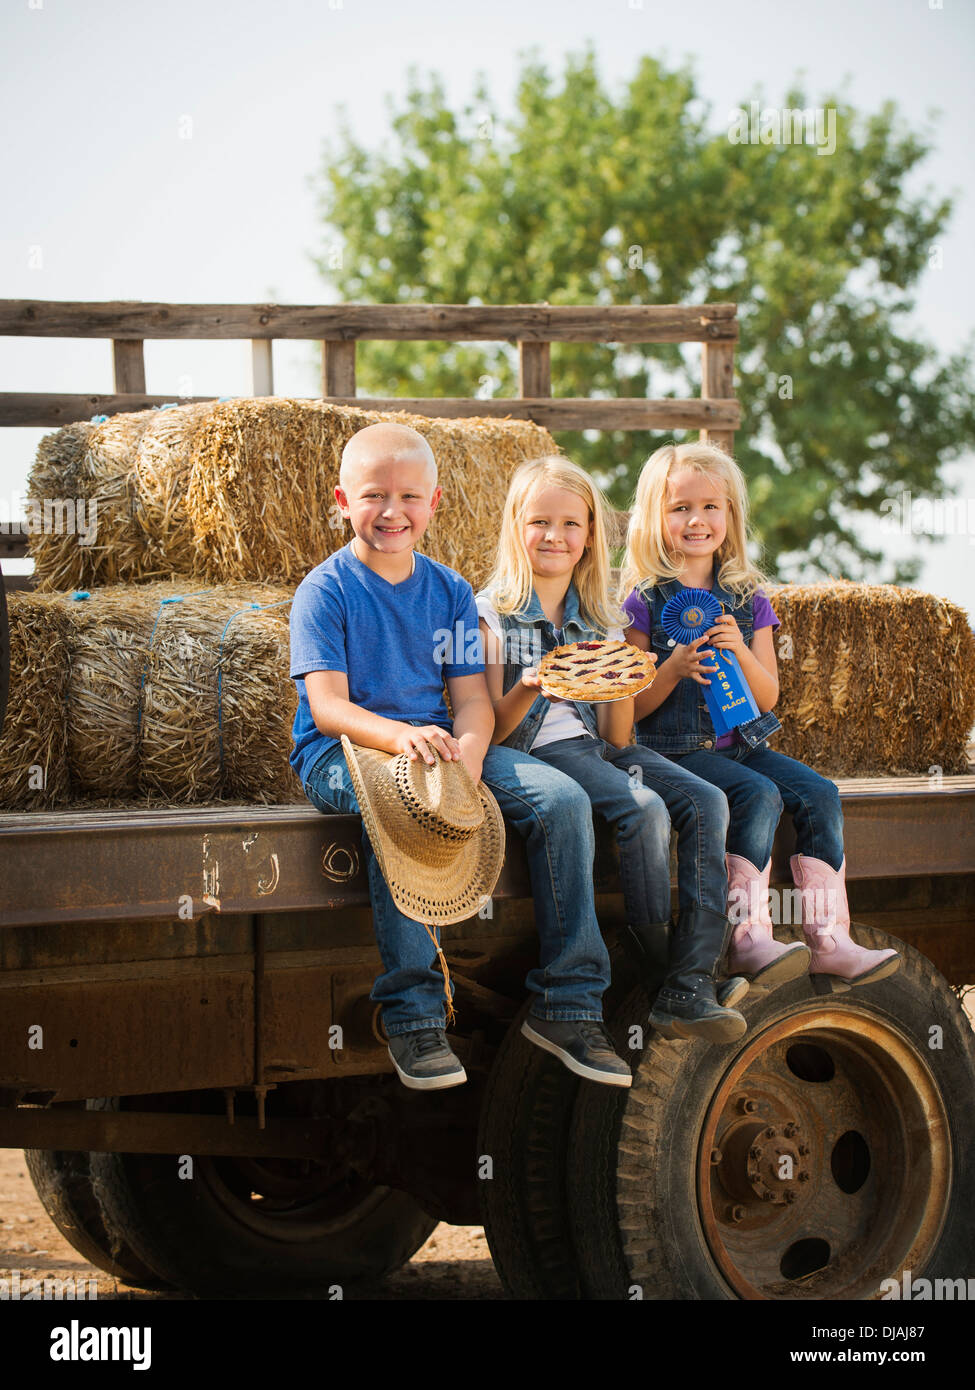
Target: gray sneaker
pixel 582 1045
pixel 424 1061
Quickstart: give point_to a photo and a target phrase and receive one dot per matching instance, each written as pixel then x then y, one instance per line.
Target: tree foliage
pixel 578 196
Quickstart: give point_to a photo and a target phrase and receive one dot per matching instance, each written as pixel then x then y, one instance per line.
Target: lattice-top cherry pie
pixel 594 671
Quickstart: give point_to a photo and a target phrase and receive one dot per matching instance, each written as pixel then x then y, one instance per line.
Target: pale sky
pixel 105 197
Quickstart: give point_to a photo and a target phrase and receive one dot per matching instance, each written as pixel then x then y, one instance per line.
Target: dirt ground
pixel 453 1265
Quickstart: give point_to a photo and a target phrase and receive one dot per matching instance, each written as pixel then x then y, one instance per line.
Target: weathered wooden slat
pixel 561 413
pixel 534 369
pixel 13 543
pixel 129 366
pixel 338 367
pixel 59 408
pixel 662 323
pixel 718 383
pixel 569 412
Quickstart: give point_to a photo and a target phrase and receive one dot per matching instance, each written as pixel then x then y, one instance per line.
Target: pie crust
pixel 595 671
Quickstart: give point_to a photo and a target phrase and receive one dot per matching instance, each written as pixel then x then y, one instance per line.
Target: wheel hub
pixel 824 1162
pixel 763 1163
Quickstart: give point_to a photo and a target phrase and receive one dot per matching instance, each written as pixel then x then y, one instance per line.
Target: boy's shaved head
pixel 385 441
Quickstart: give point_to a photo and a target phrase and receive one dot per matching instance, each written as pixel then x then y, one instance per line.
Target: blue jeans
pixel 642 793
pixel 758 783
pixel 552 814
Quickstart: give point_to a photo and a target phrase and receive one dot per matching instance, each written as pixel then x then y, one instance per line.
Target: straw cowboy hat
pixel 439 838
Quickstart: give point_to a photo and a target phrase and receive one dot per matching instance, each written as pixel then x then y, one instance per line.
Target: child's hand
pixel 533 681
pixel 691 660
pixel 726 635
pixel 420 741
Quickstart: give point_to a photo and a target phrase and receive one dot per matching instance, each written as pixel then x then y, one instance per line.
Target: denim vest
pixel 527 636
pixel 682 723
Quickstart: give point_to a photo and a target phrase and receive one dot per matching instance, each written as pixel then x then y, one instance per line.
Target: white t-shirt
pixel 561 719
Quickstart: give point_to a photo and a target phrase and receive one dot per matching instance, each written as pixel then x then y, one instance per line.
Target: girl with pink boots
pixel 688 529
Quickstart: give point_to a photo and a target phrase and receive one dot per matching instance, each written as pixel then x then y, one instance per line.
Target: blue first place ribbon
pixel 686 617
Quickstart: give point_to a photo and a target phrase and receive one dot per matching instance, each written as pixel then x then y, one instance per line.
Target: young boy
pixel 367 661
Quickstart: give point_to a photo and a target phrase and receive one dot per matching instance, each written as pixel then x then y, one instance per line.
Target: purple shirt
pixel 763 615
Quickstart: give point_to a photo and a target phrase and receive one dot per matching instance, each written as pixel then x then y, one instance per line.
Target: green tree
pixel 578 197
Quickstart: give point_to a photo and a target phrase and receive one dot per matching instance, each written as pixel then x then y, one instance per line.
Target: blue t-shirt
pixel 395 642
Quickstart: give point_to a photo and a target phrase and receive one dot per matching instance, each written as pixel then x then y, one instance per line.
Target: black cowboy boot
pixel 686 1006
pixel 649 947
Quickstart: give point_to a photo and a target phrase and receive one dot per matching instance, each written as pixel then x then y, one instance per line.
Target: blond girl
pixel 689 529
pixel 551 586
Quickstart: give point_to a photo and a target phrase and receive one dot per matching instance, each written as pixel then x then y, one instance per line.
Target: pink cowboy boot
pixel 837 961
pixel 754 952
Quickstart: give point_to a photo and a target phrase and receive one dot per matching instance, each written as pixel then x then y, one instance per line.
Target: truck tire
pixel 255 1227
pixel 831 1148
pixel 62 1181
pixel 525 1121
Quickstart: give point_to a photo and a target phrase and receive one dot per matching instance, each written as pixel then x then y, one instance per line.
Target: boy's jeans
pixel 757 783
pixel 640 792
pixel 553 815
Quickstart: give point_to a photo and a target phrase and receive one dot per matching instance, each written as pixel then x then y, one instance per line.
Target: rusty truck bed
pixel 80 864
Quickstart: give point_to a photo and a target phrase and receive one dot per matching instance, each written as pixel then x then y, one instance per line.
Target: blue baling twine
pixel 163 603
pixel 145 666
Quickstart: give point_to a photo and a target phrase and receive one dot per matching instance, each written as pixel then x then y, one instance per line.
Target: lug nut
pixel 715 1155
pixel 754 1152
pixel 790 1196
pixel 803 1150
pixel 804 1177
pixel 767 1197
pixel 770 1133
pixel 736 1214
pixel 791 1130
pixel 746 1105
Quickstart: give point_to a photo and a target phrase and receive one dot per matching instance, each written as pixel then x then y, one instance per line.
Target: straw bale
pixel 261 492
pixel 33 761
pixel 108 640
pixel 118 554
pixel 257 703
pixel 260 495
pixel 104 480
pixel 162 472
pixel 243 490
pixel 57 472
pixel 179 741
pixel 880 680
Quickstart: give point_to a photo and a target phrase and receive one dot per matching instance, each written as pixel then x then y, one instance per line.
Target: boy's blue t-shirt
pixel 395 642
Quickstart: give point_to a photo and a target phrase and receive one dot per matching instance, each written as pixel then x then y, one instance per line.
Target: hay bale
pixel 243 490
pixel 57 473
pixel 108 641
pixel 878 680
pixel 257 701
pixel 119 553
pixel 261 493
pixel 162 472
pixel 179 739
pixel 33 760
pixel 100 487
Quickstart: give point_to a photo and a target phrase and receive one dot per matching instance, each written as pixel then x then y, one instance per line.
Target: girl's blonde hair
pixel 511 581
pixel 648 556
